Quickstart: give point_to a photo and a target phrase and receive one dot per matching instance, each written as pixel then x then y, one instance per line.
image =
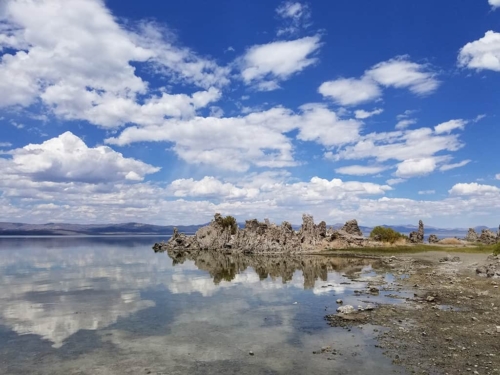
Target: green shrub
pixel 230 222
pixel 386 234
pixel 496 249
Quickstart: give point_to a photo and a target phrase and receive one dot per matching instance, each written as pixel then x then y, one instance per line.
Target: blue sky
pixel 167 112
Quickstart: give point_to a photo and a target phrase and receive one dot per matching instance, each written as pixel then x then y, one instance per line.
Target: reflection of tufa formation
pixel 258 237
pixel 225 267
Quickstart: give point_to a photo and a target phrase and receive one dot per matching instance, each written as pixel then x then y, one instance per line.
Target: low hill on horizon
pixel 66 229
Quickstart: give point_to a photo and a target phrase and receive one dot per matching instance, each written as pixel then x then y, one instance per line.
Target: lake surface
pixel 113 306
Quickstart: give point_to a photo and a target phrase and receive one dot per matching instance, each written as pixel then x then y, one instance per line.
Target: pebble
pixel 339 301
pixel 250 352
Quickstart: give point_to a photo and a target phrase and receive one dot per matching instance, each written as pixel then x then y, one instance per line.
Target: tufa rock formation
pixel 258 237
pixel 418 237
pixel 488 237
pixel 352 227
pixel 433 238
pixel 471 235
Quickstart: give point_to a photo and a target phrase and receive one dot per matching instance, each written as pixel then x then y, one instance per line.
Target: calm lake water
pixel 113 306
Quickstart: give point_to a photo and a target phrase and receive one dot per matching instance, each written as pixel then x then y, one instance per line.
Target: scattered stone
pixel 448 258
pixel 251 353
pixel 374 290
pixel 347 309
pixel 430 299
pixel 370 307
pixel 339 301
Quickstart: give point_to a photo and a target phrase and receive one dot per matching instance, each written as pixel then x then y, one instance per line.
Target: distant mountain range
pixel 63 229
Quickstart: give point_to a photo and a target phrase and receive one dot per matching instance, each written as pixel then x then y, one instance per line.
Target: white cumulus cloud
pixel 360 170
pixel 362 114
pixel 277 61
pixel 230 142
pixel 350 91
pixel 67 158
pixel 482 54
pixel 209 187
pixel 494 3
pixel 448 167
pixel 473 189
pixel 398 72
pixel 449 126
pixel 296 16
pixel 82 69
pixel 416 167
pixel 403 124
pixel 427 192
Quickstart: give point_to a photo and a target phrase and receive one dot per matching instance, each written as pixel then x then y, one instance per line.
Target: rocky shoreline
pixel 451 325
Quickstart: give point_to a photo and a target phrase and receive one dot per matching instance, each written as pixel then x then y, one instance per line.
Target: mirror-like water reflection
pixel 113 306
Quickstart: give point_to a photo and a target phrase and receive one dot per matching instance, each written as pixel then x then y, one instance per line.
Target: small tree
pixel 384 234
pixel 230 222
